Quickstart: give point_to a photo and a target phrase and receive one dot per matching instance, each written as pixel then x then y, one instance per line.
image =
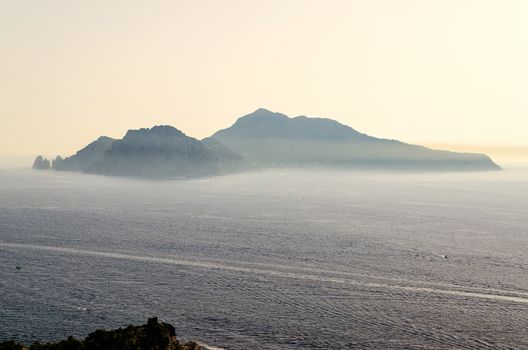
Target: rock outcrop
pixel 151 336
pixel 41 163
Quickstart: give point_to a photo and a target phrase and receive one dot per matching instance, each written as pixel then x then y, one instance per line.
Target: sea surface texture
pixel 273 260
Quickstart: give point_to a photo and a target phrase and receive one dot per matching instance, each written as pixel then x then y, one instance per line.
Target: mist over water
pixel 283 259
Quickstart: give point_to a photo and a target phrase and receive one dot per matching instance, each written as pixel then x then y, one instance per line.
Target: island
pixel 259 140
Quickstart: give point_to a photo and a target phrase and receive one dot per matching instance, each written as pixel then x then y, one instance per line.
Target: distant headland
pixel 262 139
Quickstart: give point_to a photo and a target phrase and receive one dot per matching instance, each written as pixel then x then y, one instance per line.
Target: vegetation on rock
pixel 151 336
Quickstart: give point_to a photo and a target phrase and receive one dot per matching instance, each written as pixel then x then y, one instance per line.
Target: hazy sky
pixel 433 72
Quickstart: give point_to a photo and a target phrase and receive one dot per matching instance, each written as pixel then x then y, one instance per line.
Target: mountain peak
pixel 262 110
pixel 104 139
pixel 166 130
pixel 268 124
pixel 155 131
pixel 263 113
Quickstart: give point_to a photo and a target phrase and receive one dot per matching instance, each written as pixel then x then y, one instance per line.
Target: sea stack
pixel 41 163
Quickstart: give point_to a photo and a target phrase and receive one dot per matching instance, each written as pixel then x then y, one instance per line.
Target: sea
pixel 279 259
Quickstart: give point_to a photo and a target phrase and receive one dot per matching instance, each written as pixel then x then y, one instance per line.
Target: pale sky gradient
pixel 433 72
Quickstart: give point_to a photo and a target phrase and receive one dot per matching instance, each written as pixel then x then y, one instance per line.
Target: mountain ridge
pixel 264 119
pixel 273 139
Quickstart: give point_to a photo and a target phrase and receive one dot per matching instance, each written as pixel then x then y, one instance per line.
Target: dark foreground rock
pixel 151 336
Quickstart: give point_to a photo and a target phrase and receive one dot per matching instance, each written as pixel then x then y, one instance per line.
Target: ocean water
pixel 273 260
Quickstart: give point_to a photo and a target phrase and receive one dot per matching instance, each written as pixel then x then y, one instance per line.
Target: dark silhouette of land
pixel 270 139
pixel 151 336
pixel 41 164
pixel 161 151
pixel 262 139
